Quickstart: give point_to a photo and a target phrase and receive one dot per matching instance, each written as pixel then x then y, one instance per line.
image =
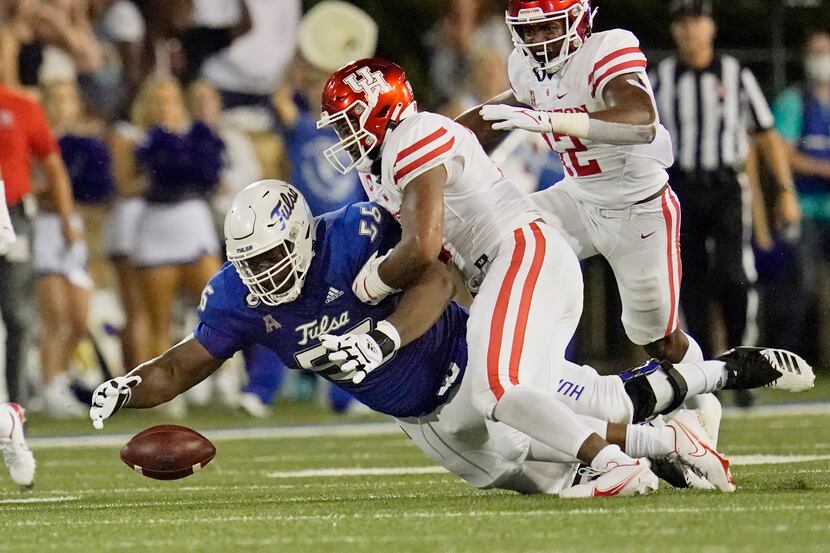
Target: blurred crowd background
pixel 161 110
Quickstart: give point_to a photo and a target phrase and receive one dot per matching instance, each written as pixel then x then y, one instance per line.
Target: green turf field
pixel 278 493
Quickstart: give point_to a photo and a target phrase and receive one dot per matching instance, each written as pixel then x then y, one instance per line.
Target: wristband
pixel 387 338
pixel 571 124
pixel 373 288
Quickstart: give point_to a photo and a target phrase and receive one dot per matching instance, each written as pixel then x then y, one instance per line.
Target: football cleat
pixel 18 457
pixel 691 449
pixel 772 368
pixel 618 480
pixel 678 475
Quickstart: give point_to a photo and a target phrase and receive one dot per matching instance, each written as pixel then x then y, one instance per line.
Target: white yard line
pixel 364 429
pixel 59 499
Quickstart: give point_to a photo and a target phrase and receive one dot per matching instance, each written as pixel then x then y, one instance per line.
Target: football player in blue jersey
pixel 287 287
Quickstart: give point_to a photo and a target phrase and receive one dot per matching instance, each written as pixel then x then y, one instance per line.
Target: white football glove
pixel 360 354
pixel 110 396
pixel 508 118
pixel 368 286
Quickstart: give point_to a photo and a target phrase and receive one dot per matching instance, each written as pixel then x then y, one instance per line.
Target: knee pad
pixel 639 389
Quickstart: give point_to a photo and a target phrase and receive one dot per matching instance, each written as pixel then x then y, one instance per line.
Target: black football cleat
pixel 749 368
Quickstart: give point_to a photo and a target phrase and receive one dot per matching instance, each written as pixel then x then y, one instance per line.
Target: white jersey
pixel 600 174
pixel 481 206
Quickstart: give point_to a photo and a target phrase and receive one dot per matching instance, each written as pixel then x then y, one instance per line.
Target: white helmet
pixel 268 238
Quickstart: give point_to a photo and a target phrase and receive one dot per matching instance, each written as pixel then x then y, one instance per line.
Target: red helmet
pixel 545 47
pixel 360 100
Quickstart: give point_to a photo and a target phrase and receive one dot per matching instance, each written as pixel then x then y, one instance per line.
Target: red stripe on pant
pixel 670 252
pixel 524 306
pixel 676 203
pixel 500 314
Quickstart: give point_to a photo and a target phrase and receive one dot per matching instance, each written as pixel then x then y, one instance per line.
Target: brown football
pixel 167 452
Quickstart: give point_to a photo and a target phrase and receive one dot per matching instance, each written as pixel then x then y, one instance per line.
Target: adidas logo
pixel 333 294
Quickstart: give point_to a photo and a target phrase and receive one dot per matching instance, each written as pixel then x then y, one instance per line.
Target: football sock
pixel 608 454
pixel 643 440
pixel 701 378
pixel 544 418
pixel 693 353
pixel 6 422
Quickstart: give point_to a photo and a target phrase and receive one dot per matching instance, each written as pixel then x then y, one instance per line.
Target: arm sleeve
pixel 789 115
pixel 761 116
pixel 618 54
pixel 430 142
pixel 41 140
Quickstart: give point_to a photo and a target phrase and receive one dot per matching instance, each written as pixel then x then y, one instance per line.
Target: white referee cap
pixel 333 33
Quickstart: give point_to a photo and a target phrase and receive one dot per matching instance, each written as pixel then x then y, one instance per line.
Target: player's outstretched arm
pixel 629 118
pixel 487 136
pixel 156 381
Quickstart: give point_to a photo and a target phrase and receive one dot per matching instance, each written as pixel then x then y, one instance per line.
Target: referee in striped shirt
pixel 716 115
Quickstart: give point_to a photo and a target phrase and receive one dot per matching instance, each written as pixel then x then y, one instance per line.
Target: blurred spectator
pixel 176 245
pixel 64 287
pixel 41 41
pixel 167 22
pixel 216 24
pixel 24 135
pixel 241 164
pixel 120 30
pixel 468 26
pixel 802 115
pixel 249 71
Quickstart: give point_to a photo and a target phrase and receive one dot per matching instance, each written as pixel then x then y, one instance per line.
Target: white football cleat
pixel 618 480
pixel 693 450
pixel 18 457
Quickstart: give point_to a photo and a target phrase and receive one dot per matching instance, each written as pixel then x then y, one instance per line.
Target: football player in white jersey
pixel 435 177
pixel 589 96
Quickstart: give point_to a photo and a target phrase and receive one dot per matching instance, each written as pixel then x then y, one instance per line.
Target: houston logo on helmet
pixel 371 83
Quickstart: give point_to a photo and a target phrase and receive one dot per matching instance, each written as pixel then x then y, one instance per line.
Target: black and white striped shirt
pixel 710 112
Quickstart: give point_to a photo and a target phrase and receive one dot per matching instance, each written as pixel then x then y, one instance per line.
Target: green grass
pixel 98 504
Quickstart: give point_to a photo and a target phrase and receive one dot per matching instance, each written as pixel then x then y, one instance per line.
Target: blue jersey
pixel 414 382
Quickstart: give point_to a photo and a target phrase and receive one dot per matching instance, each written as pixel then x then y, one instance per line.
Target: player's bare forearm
pixel 422 228
pixel 487 136
pixel 423 302
pixel 172 373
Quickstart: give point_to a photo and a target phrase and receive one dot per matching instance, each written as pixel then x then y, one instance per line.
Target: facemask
pixel 817 68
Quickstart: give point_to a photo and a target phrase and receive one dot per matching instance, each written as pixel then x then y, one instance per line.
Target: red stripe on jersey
pixel 500 314
pixel 424 159
pixel 611 57
pixel 616 69
pixel 670 253
pixel 524 306
pixel 421 143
